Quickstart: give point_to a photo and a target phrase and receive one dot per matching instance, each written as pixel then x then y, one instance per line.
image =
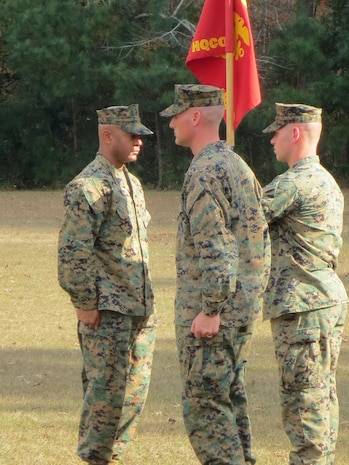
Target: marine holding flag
pixel 207 55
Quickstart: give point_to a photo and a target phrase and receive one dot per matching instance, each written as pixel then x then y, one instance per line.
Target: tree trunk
pixel 308 6
pixel 74 128
pixel 160 184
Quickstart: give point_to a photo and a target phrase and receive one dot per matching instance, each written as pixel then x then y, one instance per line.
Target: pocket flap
pixel 305 335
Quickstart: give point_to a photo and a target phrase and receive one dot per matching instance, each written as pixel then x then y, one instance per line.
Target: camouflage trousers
pixel 117 361
pixel 307 347
pixel 214 399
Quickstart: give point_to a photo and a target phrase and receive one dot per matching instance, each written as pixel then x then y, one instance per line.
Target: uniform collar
pixel 307 160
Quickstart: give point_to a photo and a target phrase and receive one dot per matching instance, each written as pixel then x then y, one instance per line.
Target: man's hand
pixel 205 326
pixel 91 318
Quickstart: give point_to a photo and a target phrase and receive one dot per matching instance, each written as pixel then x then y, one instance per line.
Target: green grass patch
pixel 40 391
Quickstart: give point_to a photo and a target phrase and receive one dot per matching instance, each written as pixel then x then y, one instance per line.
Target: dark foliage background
pixel 63 59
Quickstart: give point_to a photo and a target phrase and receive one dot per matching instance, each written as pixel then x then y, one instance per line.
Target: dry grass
pixel 40 361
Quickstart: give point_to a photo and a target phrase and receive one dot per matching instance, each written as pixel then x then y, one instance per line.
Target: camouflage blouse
pixel 103 247
pixel 304 207
pixel 223 253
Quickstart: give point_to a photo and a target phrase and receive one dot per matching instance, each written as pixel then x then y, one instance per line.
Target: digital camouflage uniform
pixel 222 258
pixel 222 267
pixel 103 264
pixel 305 299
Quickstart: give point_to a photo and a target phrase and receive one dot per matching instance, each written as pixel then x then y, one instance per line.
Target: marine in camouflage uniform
pixel 103 265
pixel 223 260
pixel 305 299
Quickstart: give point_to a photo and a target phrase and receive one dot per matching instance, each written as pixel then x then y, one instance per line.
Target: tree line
pixel 61 60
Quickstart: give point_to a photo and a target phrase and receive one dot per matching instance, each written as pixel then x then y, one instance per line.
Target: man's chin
pixel 133 157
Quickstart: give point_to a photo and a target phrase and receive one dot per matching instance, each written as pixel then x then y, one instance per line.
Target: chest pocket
pixel 124 214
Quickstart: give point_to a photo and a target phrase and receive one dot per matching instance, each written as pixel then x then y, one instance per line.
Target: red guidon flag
pixel 206 57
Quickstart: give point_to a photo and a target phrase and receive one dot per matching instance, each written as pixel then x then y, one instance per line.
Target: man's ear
pixel 196 116
pixel 295 134
pixel 106 135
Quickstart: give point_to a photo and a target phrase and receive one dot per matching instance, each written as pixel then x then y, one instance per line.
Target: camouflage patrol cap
pixel 125 117
pixel 294 113
pixel 193 95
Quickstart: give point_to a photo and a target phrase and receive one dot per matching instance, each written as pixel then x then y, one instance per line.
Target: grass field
pixel 40 392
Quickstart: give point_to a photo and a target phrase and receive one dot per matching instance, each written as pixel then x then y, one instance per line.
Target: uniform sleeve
pixel 214 244
pixel 279 198
pixel 85 206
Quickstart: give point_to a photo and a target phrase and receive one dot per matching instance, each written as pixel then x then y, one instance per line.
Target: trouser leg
pixel 214 399
pixel 307 347
pixel 238 393
pixel 335 346
pixel 106 358
pixel 138 381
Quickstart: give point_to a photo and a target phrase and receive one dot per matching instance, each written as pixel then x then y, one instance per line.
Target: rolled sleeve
pixel 278 199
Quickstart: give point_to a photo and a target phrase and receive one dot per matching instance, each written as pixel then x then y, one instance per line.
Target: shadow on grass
pixel 43 379
pixel 49 380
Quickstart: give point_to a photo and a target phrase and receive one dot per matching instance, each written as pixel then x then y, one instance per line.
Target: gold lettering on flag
pixel 242 38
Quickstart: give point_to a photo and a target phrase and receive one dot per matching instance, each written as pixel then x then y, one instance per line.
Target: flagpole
pixel 229 52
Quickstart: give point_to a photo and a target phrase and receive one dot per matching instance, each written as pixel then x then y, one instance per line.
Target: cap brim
pixel 169 111
pixel 273 127
pixel 144 131
pixel 138 130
